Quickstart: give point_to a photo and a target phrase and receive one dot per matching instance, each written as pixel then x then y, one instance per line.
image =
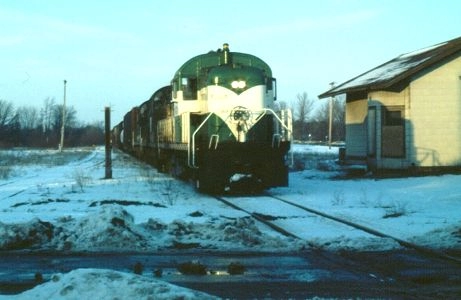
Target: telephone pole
pixel 330 121
pixel 61 144
pixel 108 143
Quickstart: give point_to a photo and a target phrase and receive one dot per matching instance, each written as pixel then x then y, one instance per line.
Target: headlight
pixel 238 84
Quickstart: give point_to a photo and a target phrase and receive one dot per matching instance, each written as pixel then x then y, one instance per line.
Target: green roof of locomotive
pixel 200 65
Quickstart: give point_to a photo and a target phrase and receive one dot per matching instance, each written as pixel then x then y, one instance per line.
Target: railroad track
pixel 258 217
pixel 268 220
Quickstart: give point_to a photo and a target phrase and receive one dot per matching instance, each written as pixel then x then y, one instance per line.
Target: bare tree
pixel 339 118
pixel 46 114
pixel 9 125
pixel 28 117
pixel 70 117
pixel 323 115
pixel 303 107
pixel 7 113
pixel 282 105
pixel 30 126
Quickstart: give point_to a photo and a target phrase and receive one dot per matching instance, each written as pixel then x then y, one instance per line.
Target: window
pixel 393 132
pixel 189 87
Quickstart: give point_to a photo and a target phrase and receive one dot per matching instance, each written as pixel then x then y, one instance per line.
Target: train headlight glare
pixel 238 84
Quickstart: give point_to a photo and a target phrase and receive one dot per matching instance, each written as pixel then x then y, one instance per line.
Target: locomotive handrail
pixel 280 121
pixel 191 149
pixel 290 138
pixel 215 138
pixel 276 140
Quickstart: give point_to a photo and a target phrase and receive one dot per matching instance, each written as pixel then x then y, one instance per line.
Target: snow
pixel 385 72
pixel 390 69
pixel 423 50
pixel 61 202
pixel 423 210
pixel 106 284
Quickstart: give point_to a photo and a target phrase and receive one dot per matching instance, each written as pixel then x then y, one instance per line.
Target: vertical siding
pixel 356 129
pixel 436 116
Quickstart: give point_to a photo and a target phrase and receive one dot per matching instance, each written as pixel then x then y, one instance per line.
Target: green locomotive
pixel 217 124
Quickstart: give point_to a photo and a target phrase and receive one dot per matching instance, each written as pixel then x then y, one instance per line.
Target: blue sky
pixel 118 53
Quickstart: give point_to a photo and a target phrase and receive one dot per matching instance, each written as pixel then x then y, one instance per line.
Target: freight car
pixel 217 123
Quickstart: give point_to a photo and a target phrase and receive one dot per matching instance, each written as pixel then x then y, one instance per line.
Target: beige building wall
pixel 432 111
pixel 389 98
pixel 435 113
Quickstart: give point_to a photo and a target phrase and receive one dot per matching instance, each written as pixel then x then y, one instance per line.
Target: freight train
pixel 217 123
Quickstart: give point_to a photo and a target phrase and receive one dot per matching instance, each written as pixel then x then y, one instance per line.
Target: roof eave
pixel 452 48
pixel 343 91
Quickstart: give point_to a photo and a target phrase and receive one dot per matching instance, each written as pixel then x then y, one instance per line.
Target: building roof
pixel 397 69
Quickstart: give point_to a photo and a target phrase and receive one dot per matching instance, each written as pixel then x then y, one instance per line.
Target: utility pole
pixel 61 144
pixel 330 122
pixel 108 143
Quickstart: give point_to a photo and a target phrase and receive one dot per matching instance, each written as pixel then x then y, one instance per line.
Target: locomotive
pixel 217 123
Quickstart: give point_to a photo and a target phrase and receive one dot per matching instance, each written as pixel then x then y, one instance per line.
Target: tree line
pixel 28 126
pixel 311 119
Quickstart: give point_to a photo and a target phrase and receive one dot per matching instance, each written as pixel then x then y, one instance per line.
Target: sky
pixel 118 53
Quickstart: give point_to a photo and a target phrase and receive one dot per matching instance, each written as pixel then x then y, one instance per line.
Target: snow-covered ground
pixel 107 284
pixel 60 201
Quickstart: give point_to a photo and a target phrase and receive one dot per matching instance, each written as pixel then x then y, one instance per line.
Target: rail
pixel 372 231
pixel 406 244
pixel 259 218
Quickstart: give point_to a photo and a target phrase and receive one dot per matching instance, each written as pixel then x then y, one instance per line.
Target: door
pixel 371 132
pixel 393 132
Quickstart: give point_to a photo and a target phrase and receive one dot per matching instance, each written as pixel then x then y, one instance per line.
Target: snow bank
pixel 26 235
pixel 109 228
pixel 106 284
pixel 112 228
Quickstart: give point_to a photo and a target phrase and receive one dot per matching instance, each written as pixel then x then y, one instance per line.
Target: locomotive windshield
pixel 188 85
